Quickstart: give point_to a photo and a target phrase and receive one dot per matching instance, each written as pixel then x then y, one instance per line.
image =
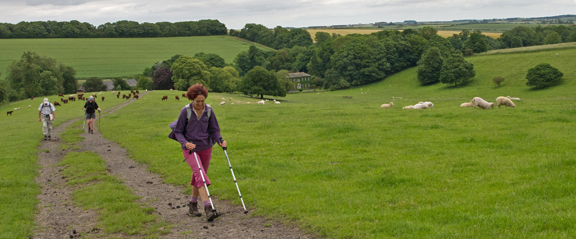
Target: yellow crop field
pixel 344 32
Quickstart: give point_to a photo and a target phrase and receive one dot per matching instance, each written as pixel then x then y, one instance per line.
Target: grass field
pixel 20 137
pixel 111 57
pixel 345 168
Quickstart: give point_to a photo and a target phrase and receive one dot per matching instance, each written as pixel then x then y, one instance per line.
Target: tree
pixel 332 80
pixel 361 61
pixel 94 84
pixel 163 79
pixel 553 38
pixel 427 32
pixel 430 66
pixel 3 90
pixel 498 80
pixel 144 83
pixel 121 84
pixel 321 37
pixel 543 75
pixel 476 42
pixel 221 80
pixel 246 61
pixel 516 42
pixel 456 70
pixel 211 59
pixel 70 83
pixel 189 71
pixel 34 75
pixel 259 81
pixel 283 77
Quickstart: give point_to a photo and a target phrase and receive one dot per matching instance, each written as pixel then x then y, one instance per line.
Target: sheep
pixel 467 104
pixel 60 95
pixel 387 105
pixel 512 98
pixel 32 97
pixel 29 106
pixel 103 98
pixel 482 103
pixel 164 97
pixel 17 108
pixel 177 97
pixel 408 107
pixel 183 95
pixel 420 106
pixel 135 97
pixel 9 113
pixel 427 103
pixel 261 102
pixel 276 102
pixel 501 100
pixel 56 104
pixel 223 103
pixel 137 92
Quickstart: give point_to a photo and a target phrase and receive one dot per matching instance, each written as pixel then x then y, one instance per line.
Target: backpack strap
pixel 188 113
pixel 209 111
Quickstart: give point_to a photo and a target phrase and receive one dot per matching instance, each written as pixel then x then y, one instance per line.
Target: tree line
pixel 76 29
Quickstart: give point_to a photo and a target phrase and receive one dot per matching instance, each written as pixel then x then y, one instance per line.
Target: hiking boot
pixel 210 215
pixel 193 210
pixel 49 137
pixel 45 137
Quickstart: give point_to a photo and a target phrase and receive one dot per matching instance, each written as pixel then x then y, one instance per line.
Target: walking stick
pixel 234 177
pixel 204 181
pixel 84 122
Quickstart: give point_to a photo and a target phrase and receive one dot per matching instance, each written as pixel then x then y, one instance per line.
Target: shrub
pixel 497 80
pixel 543 75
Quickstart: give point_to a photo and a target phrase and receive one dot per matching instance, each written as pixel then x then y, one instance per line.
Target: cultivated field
pixel 344 32
pixel 345 168
pixel 111 57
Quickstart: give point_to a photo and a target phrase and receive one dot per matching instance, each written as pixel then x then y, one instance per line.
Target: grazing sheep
pixel 177 98
pixel 420 106
pixel 29 106
pixel 183 95
pixel 60 95
pixel 17 108
pixel 261 102
pixel 482 103
pixel 136 96
pixel 467 104
pixel 223 103
pixel 32 97
pixel 276 102
pixel 9 113
pixel 501 100
pixel 408 107
pixel 427 103
pixel 165 97
pixel 56 104
pixel 137 92
pixel 65 101
pixel 103 98
pixel 387 105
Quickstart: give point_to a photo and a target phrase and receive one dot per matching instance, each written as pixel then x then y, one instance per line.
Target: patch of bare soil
pixel 169 202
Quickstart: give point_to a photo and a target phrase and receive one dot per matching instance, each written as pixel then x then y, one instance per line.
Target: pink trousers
pixel 204 159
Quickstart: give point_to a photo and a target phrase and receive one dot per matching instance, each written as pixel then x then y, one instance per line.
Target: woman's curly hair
pixel 196 90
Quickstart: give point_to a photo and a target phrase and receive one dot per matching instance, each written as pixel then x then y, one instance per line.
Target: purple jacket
pixel 197 131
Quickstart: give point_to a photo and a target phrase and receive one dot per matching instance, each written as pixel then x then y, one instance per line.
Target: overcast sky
pixel 302 13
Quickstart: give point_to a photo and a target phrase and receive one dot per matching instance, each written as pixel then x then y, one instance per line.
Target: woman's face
pixel 199 102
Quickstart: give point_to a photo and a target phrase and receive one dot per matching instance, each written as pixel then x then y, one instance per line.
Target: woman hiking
pixel 199 134
pixel 90 107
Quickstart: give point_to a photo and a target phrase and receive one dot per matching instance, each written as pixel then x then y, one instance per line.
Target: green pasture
pixel 112 57
pixel 345 168
pixel 20 137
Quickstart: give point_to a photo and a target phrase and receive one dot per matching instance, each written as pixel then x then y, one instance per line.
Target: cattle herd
pixel 65 100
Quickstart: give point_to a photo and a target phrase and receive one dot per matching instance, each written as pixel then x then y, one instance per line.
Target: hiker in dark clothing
pixel 90 107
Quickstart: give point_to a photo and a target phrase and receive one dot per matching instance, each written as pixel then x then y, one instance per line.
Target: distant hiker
pixel 46 116
pixel 199 133
pixel 90 107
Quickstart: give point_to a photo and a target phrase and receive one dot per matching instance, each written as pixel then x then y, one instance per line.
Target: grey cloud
pixel 56 2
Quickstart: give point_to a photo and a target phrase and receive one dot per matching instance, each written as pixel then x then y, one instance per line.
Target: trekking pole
pixel 99 117
pixel 234 177
pixel 84 122
pixel 204 181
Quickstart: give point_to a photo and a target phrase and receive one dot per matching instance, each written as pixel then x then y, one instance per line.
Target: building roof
pixel 132 82
pixel 109 85
pixel 297 74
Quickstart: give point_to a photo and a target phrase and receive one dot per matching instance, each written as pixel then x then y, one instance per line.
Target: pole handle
pixel 220 141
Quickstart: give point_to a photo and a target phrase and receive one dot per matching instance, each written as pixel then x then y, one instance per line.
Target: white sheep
pixel 408 107
pixel 276 102
pixel 387 105
pixel 261 102
pixel 467 104
pixel 427 103
pixel 248 102
pixel 223 102
pixel 512 98
pixel 482 103
pixel 501 100
pixel 420 106
pixel 29 106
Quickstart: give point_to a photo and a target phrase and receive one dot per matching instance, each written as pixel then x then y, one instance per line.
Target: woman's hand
pixel 190 146
pixel 223 144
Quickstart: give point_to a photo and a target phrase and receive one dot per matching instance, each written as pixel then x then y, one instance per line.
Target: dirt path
pixel 168 200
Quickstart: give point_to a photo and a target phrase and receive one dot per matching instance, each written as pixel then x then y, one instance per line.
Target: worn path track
pixel 168 200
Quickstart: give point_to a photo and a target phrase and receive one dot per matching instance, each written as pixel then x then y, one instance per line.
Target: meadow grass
pixel 345 168
pixel 20 137
pixel 112 57
pixel 70 138
pixel 117 211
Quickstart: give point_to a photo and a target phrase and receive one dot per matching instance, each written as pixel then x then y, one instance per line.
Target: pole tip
pixel 246 212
